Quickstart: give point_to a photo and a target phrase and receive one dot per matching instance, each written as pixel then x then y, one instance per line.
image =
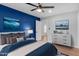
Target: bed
pixel 7 48
pixel 29 48
pixel 46 49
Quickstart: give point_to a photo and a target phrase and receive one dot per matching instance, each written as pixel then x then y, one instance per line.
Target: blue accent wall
pixel 26 21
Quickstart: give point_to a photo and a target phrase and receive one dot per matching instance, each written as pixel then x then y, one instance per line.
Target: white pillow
pixel 20 39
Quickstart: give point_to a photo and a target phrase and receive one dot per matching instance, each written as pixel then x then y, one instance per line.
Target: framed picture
pixel 62 25
pixel 11 24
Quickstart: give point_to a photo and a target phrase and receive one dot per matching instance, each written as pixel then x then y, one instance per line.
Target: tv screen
pixel 62 25
pixel 11 24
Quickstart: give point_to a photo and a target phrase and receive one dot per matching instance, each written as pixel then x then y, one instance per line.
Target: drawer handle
pixel 64 36
pixel 65 39
pixel 64 43
pixel 55 38
pixel 55 41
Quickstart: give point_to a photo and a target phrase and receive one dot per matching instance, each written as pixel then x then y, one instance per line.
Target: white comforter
pixel 26 49
pixel 2 46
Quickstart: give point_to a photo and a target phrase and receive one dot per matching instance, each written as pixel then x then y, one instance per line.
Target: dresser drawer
pixel 66 42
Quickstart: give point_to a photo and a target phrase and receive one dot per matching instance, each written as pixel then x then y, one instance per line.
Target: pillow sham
pixel 20 39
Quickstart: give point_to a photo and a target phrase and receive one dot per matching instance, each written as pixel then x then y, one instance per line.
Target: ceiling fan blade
pixel 31 4
pixel 33 9
pixel 47 7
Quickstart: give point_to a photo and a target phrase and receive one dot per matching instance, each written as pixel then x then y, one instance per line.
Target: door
pixel 38 30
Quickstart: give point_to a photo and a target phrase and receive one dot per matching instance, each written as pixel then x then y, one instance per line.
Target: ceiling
pixel 59 8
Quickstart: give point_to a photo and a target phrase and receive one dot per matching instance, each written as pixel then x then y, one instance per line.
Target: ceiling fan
pixel 39 7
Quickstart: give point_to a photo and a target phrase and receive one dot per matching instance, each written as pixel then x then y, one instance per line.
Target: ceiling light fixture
pixel 50 11
pixel 39 10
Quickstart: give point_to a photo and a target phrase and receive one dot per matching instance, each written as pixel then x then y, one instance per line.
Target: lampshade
pixel 30 31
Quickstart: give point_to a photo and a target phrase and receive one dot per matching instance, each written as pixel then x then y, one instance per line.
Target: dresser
pixel 62 39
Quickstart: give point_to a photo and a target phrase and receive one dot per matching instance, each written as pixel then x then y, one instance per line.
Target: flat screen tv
pixel 11 24
pixel 62 25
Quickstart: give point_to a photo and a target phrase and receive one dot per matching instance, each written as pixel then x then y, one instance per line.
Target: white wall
pixel 78 30
pixel 72 17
